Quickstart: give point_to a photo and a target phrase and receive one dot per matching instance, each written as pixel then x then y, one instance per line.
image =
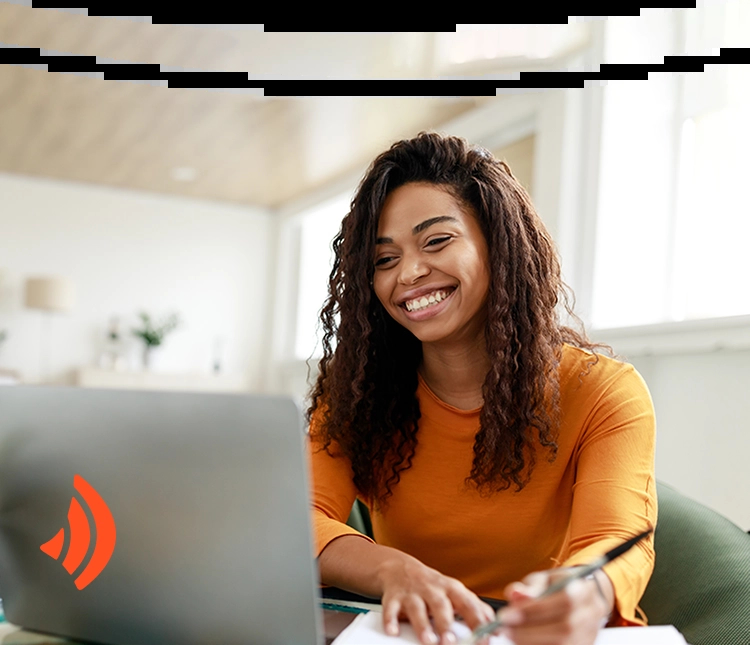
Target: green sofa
pixel 701 580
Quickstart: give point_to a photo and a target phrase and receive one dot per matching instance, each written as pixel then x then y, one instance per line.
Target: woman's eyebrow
pixel 433 220
pixel 420 227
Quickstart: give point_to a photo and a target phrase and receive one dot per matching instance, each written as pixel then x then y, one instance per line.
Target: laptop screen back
pixel 208 496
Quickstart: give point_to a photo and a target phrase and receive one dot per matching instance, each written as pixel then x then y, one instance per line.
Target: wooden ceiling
pixel 244 149
pixel 251 151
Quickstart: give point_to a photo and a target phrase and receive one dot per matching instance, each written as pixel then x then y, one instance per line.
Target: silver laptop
pixel 152 517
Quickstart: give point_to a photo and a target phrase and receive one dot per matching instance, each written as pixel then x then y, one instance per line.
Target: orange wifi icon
pixel 80 535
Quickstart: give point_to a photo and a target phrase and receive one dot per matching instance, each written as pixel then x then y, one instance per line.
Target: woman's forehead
pixel 411 204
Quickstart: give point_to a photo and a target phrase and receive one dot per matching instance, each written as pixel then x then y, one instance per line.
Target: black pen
pixel 578 573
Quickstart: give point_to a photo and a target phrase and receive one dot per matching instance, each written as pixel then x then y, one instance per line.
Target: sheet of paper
pixel 367 629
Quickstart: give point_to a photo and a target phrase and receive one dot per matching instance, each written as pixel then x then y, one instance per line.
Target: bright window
pixel 318 227
pixel 712 260
pixel 672 216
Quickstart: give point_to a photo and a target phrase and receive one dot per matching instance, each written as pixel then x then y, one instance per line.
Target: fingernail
pixel 428 636
pixel 510 616
pixel 449 638
pixel 391 629
pixel 518 594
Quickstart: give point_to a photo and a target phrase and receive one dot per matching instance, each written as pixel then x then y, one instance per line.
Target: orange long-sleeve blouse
pixel 599 491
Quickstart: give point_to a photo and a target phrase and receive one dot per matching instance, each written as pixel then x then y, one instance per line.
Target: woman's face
pixel 431 264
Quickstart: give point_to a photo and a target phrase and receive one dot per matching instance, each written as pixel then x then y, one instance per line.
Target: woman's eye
pixel 382 261
pixel 438 240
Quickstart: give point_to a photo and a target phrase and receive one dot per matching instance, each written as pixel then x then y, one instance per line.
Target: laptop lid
pixel 196 507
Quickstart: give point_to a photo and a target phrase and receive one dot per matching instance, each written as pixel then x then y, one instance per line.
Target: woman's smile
pixel 430 304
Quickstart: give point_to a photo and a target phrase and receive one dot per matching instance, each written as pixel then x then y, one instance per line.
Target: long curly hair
pixel 364 399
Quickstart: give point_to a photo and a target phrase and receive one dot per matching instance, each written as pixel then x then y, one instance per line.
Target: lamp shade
pixel 51 293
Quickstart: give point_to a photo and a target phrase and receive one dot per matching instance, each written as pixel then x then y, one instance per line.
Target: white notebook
pixel 367 629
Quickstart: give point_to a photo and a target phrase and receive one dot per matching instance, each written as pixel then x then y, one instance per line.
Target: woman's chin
pixel 426 335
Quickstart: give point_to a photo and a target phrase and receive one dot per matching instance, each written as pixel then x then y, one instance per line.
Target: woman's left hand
pixel 572 616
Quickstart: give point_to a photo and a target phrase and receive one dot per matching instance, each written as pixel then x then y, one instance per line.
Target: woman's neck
pixel 456 374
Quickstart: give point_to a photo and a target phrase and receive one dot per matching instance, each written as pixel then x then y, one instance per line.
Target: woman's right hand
pixel 415 592
pixel 409 590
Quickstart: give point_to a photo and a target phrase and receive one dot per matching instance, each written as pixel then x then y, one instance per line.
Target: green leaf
pixel 153 334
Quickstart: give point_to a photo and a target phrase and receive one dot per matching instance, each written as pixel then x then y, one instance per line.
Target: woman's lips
pixel 430 310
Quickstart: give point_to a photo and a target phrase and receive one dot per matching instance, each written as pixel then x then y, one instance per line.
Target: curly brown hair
pixel 364 400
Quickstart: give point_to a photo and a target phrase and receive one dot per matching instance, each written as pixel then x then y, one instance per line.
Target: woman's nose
pixel 412 269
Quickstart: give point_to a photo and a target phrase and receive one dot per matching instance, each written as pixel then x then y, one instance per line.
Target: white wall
pixel 703 426
pixel 127 251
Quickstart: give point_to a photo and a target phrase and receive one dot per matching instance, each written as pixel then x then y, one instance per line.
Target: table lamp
pixel 49 294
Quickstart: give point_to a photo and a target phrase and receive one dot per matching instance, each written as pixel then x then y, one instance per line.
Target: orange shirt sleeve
pixel 614 497
pixel 333 491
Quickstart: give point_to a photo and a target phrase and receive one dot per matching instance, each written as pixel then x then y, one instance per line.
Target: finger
pixel 537 581
pixel 570 628
pixel 534 584
pixel 416 612
pixel 517 592
pixel 511 615
pixel 568 616
pixel 555 608
pixel 538 612
pixel 441 610
pixel 530 587
pixel 487 611
pixel 473 611
pixel 391 610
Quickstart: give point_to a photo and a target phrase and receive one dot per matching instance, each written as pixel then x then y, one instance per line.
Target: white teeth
pixel 426 301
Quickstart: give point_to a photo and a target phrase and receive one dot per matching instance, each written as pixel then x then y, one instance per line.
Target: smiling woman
pixel 489 441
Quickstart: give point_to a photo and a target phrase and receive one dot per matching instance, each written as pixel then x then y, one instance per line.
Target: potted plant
pixel 153 334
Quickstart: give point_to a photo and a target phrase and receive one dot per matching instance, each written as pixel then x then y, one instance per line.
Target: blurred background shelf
pixel 99 378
